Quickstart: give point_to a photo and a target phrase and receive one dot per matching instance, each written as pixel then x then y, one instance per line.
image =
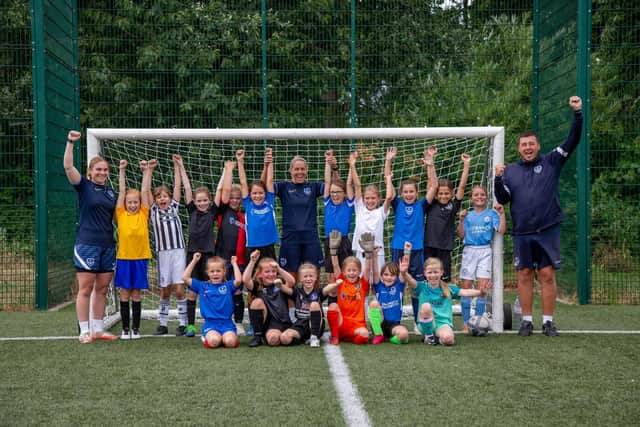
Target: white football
pixel 479 326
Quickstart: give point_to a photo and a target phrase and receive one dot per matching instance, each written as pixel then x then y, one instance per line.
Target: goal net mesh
pixel 204 160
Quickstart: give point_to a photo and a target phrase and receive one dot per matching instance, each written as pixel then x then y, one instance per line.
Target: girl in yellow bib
pixel 134 252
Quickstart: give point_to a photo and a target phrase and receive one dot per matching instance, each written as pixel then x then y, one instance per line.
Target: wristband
pixel 70 141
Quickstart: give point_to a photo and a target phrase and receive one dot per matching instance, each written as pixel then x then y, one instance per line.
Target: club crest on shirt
pixel 110 194
pixel 408 210
pixel 223 289
pixel 283 262
pixel 487 218
pixel 537 169
pixel 307 191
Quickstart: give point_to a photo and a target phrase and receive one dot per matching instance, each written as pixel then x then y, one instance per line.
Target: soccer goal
pixel 205 150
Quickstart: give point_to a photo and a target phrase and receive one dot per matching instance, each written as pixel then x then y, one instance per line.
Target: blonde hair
pixel 374 188
pixel 235 188
pixel 432 261
pixel 217 260
pixel 134 192
pixel 256 273
pixel 351 260
pixel 93 162
pixel 298 158
pixel 309 266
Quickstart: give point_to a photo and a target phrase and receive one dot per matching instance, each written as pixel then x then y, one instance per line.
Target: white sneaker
pixel 240 330
pixel 135 334
pixel 125 334
pixel 314 342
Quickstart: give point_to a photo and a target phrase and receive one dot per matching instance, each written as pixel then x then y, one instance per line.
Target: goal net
pixel 205 150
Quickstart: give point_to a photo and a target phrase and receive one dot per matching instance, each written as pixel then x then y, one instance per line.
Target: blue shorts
pixel 539 250
pixel 293 254
pixel 94 259
pixel 131 274
pixel 220 326
pixel 416 263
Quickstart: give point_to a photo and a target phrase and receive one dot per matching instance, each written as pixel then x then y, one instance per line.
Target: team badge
pixel 283 262
pixel 90 261
pixel 408 210
pixel 307 191
pixel 538 169
pixel 223 289
pixel 487 218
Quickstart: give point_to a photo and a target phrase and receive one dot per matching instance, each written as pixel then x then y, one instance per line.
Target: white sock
pixel 84 327
pixel 97 324
pixel 546 319
pixel 182 312
pixel 292 314
pixel 164 312
pixel 528 318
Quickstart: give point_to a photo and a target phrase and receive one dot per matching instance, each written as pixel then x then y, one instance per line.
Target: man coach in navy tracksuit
pixel 531 186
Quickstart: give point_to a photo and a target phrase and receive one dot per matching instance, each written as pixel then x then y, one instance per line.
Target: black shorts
pixel 444 255
pixel 303 327
pixel 273 323
pixel 343 251
pixel 387 327
pixel 539 250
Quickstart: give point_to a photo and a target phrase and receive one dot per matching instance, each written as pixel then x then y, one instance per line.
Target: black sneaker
pixel 255 341
pixel 181 330
pixel 549 329
pixel 526 328
pixel 162 330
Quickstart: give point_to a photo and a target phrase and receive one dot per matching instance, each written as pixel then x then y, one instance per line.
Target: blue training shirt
pixel 261 221
pixel 338 217
pixel 97 205
pixel 299 210
pixel 390 299
pixel 409 223
pixel 479 227
pixel 216 299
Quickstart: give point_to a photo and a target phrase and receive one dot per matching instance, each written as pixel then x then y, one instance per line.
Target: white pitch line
pixel 352 408
pixel 73 337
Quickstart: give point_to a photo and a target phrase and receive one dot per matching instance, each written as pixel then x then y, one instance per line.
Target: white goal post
pixel 292 141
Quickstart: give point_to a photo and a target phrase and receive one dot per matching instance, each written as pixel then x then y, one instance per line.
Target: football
pixel 479 326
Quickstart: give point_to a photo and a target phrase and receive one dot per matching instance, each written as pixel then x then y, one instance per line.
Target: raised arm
pixel 67 161
pixel 237 274
pixel 374 266
pixel 188 193
pixel 350 192
pixel 242 176
pixel 335 237
pixel 462 215
pixel 503 196
pixel 223 191
pixel 388 160
pixel 145 187
pixel 289 280
pixel 248 270
pixel 177 177
pixel 391 193
pixel 503 219
pixel 432 178
pixel 466 161
pixel 186 276
pixel 570 144
pixel 269 177
pixel 328 164
pixel 404 272
pixel 353 173
pixel 122 183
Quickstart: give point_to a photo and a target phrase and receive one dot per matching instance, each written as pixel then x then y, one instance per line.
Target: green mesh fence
pixel 17 270
pixel 615 141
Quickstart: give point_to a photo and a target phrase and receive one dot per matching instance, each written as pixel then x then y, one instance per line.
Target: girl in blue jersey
pixel 216 300
pixel 476 227
pixel 338 211
pixel 435 318
pixel 258 200
pixel 385 312
pixel 202 223
pixel 95 249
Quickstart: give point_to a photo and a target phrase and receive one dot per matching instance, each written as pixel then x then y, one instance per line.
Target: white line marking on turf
pixel 352 408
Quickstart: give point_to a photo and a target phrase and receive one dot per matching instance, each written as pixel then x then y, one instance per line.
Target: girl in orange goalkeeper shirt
pixel 346 317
